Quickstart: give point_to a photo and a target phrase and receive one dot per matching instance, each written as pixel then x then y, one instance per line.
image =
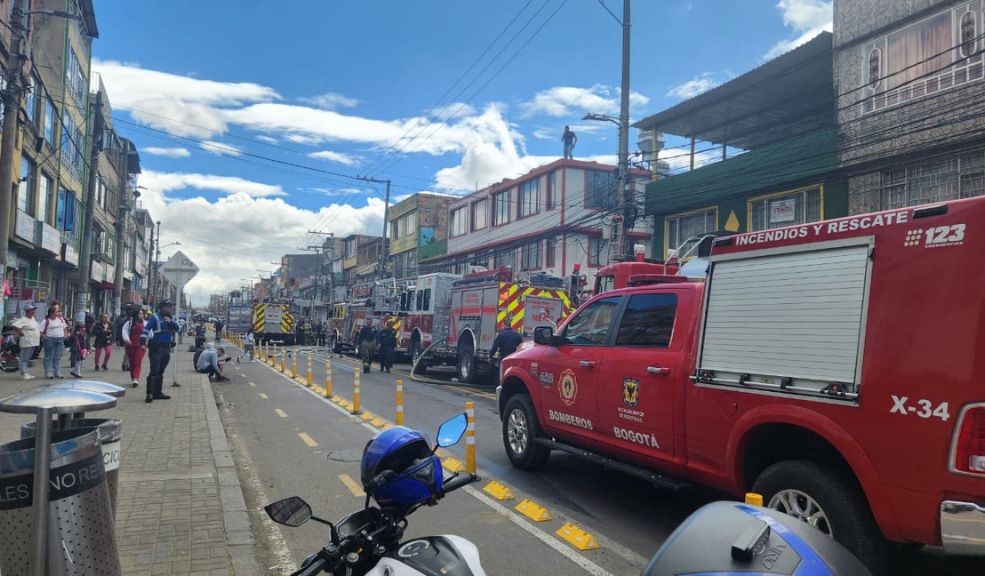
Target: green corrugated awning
pixel 765 169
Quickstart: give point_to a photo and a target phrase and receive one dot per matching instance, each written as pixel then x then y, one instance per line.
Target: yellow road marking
pixel 351 484
pixel 264 396
pixel 307 440
pixel 280 412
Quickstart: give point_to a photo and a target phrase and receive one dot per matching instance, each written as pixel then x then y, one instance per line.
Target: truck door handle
pixel 657 370
pixel 586 363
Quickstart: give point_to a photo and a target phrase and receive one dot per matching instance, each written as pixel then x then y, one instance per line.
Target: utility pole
pixel 85 258
pixel 331 236
pixel 11 106
pixel 150 266
pixel 121 226
pixel 628 190
pixel 384 252
pixel 157 275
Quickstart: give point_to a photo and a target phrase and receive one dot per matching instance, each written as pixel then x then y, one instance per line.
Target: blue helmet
pixel 417 475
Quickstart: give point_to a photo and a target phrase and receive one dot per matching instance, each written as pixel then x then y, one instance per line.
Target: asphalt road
pixel 628 518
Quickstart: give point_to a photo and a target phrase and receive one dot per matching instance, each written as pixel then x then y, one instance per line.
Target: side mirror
pixel 544 335
pixel 291 511
pixel 451 431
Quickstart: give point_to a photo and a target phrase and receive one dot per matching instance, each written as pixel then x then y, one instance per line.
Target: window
pixel 929 56
pixel 109 248
pixel 596 246
pixel 549 249
pixel 395 229
pixel 33 100
pixel 100 191
pixel 350 248
pixel 684 229
pixel 529 198
pixel 590 326
pixel 426 300
pixel 504 259
pixel 71 145
pixel 65 211
pixel 44 195
pixel 75 80
pixel 549 198
pixel 600 187
pixel 25 189
pixel 410 223
pixel 459 221
pixel 480 217
pixel 50 115
pixel 943 179
pixel 786 209
pixel 503 208
pixel 530 256
pixel 648 321
pixel 98 243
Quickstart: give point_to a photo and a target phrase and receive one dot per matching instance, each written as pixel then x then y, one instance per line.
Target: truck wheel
pixel 466 365
pixel 414 353
pixel 827 499
pixel 520 427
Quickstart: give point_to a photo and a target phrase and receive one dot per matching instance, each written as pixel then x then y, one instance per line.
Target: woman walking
pixel 132 330
pixel 78 350
pixel 102 335
pixel 54 329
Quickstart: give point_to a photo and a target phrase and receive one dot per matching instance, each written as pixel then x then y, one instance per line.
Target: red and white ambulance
pixel 837 368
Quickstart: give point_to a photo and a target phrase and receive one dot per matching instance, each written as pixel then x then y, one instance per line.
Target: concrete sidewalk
pixel 181 508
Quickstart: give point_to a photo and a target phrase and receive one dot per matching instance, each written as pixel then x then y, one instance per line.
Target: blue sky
pixel 346 86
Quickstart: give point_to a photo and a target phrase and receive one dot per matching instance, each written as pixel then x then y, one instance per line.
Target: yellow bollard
pixel 400 403
pixel 283 361
pixel 470 438
pixel 328 377
pixel 294 364
pixel 355 391
pixel 309 370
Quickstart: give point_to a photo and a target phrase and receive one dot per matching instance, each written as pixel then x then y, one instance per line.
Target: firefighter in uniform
pixel 367 344
pixel 388 347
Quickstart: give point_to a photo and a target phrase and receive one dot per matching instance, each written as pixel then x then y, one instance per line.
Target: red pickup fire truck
pixel 836 367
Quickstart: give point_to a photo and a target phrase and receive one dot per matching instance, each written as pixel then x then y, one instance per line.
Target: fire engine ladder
pixel 615 238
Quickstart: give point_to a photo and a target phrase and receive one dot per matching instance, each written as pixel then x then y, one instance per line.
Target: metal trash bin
pixel 110 433
pixel 81 538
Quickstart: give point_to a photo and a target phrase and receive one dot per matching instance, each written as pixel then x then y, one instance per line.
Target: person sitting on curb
pixel 210 362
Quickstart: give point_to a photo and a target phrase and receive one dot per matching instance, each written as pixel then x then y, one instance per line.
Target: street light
pixel 601 118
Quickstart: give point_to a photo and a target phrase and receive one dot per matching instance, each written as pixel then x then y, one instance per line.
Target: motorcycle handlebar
pixel 458 481
pixel 317 567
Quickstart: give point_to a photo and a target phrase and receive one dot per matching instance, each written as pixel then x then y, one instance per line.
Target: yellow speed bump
pixel 577 537
pixel 378 422
pixel 498 491
pixel 453 465
pixel 367 416
pixel 345 404
pixel 532 510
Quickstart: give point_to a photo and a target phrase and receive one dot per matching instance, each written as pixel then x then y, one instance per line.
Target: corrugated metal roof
pixel 791 94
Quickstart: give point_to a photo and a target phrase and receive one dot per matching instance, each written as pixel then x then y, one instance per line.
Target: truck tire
pixel 520 428
pixel 413 353
pixel 828 499
pixel 467 365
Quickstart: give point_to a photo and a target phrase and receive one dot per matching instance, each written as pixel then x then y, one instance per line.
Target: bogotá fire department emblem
pixel 630 392
pixel 568 387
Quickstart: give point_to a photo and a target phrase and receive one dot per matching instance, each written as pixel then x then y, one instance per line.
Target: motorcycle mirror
pixel 291 511
pixel 451 430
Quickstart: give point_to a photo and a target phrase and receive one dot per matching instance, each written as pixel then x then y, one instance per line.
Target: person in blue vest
pixel 159 336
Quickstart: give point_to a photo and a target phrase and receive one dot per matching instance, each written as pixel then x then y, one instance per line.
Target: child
pixel 77 348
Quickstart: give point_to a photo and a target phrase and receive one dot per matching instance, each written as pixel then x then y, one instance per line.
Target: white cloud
pixel 177 152
pixel 267 139
pixel 807 18
pixel 182 105
pixel 693 87
pixel 338 157
pixel 164 182
pixel 331 101
pixel 554 133
pixel 452 111
pixel 563 101
pixel 334 192
pixel 220 149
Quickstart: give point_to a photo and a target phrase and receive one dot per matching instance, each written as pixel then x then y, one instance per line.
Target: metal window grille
pixel 787 210
pixel 936 181
pixel 681 228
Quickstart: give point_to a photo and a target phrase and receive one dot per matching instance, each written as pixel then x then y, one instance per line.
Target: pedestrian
pixel 78 348
pixel 506 342
pixel 102 335
pixel 319 334
pixel 367 343
pixel 210 362
pixel 569 138
pixel 199 335
pixel 54 329
pixel 218 331
pixel 29 337
pixel 132 329
pixel 159 337
pixel 248 343
pixel 388 347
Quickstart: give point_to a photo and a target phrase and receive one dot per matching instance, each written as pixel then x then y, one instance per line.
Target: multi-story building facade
pixel 548 220
pixel 909 80
pixel 418 228
pixel 360 259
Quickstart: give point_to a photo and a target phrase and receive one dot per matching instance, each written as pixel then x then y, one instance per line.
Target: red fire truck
pixel 367 301
pixel 422 308
pixel 484 303
pixel 837 368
